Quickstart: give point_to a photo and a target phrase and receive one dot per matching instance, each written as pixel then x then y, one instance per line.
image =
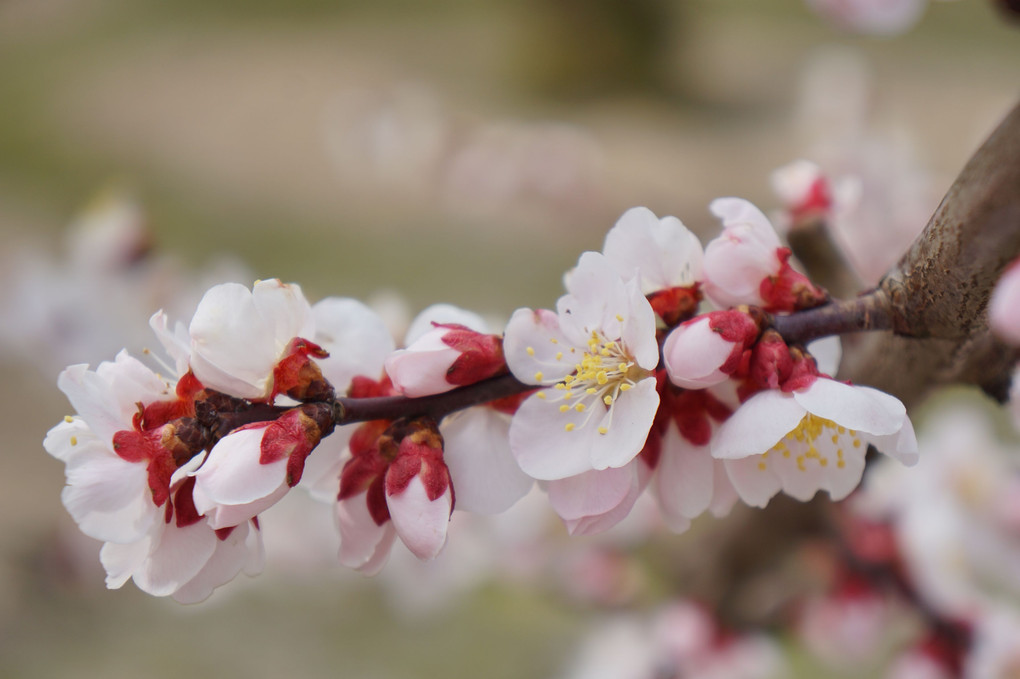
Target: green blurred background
pixel 278 132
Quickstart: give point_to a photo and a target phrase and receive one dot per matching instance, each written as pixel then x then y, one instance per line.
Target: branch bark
pixel 939 290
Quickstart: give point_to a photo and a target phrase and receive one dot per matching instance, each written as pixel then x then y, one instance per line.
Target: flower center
pixel 818 440
pixel 604 371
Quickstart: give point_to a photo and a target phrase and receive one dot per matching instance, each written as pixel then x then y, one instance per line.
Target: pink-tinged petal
pixel 596 299
pixel 901 445
pixel 1004 305
pixel 232 486
pixel 694 353
pixel 356 338
pixel 232 555
pixel 445 314
pixel 233 347
pixel 531 344
pixel 684 481
pixel 364 545
pixel 739 259
pixel 176 558
pixel 421 369
pixel 286 309
pixel 421 523
pixel 663 252
pixel 595 501
pixel 737 212
pixel 483 471
pixel 757 425
pixel 638 331
pixel 754 485
pixel 861 408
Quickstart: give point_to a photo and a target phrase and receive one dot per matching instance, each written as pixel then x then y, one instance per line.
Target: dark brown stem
pixel 867 312
pixel 348 410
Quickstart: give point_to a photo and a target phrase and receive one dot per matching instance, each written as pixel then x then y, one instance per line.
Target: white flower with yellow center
pixel 595 358
pixel 810 439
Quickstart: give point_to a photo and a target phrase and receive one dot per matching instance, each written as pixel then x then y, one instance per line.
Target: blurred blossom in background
pixel 466 152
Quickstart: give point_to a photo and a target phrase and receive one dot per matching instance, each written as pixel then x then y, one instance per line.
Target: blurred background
pixel 404 153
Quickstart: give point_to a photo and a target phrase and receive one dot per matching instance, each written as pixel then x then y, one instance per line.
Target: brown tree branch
pixel 939 290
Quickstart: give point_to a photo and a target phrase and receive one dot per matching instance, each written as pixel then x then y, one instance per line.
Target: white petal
pixel 421 523
pixel 321 476
pixel 754 485
pixel 484 473
pixel 177 558
pixel 446 314
pixel 356 338
pixel 532 341
pixel 827 352
pixel 542 446
pixel 740 212
pixel 177 343
pixel 627 425
pixel 364 545
pixel 860 408
pixel 901 445
pixel 286 309
pixel 229 558
pixel 109 498
pixel 757 425
pixel 638 331
pixel 232 486
pixel 662 251
pixel 684 479
pixel 693 354
pixel 233 347
pixel 58 441
pixel 596 297
pixel 420 370
pixel 122 561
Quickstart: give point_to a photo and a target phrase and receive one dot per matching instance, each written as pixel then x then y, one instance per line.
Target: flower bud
pixel 706 350
pixel 446 357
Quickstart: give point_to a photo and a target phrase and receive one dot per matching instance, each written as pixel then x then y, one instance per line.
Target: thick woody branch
pixel 939 290
pixel 867 312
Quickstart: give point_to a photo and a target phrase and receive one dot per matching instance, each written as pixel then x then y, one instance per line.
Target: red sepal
pixel 481 354
pixel 134 446
pixel 184 504
pixel 298 376
pixel 789 290
pixel 676 305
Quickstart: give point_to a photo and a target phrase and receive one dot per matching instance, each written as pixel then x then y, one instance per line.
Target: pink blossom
pixel 1004 306
pixel 661 252
pixel 594 359
pixel 878 17
pixel 447 356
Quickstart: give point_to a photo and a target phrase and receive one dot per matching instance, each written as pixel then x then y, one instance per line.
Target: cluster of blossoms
pixel 658 369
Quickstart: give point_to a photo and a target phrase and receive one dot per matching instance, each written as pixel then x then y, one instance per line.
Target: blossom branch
pixel 867 312
pixel 349 410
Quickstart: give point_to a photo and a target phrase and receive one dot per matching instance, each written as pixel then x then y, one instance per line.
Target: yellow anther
pixel 541 395
pixel 608 400
pixel 852 432
pixel 800 463
pixel 601 377
pixel 857 443
pixel 840 463
pixel 835 438
pixel 569 426
pixel 68 419
pixel 539 376
pixel 841 429
pixel 531 351
pixel 622 367
pixel 74 440
pixel 603 430
pixel 625 387
pixel 559 355
pixel 591 390
pixel 619 318
pixel 560 386
pixel 786 453
pixel 579 407
pixel 762 466
pixel 554 340
pixel 824 462
pixel 765 455
pixel 839 453
pixel 564 408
